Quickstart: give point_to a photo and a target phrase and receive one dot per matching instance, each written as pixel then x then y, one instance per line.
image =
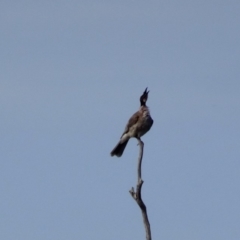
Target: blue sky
pixel 71 76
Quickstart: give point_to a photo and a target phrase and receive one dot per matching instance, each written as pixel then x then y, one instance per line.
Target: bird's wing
pixel 132 121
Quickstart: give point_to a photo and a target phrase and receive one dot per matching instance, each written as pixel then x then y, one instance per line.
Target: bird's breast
pixel 144 125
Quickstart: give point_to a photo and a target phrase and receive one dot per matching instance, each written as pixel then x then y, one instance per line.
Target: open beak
pixel 146 91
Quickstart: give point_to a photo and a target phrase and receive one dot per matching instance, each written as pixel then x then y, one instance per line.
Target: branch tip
pixel 137 195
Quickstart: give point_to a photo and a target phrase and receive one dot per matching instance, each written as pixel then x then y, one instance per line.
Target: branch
pixel 137 195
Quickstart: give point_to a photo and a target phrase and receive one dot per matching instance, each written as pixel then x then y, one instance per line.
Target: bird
pixel 139 124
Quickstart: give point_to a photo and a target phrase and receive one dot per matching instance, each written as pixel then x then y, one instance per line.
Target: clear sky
pixel 71 76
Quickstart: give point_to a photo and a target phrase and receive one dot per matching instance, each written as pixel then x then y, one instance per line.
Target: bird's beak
pixel 146 91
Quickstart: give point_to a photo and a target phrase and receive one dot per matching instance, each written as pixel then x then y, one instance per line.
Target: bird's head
pixel 144 97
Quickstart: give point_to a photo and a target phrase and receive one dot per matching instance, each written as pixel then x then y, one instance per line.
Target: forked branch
pixel 137 194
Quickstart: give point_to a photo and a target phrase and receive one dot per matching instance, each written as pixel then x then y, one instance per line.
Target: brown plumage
pixel 137 126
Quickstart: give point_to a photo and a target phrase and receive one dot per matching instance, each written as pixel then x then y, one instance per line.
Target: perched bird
pixel 137 126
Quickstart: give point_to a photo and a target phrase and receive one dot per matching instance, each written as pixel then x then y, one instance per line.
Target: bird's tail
pixel 118 150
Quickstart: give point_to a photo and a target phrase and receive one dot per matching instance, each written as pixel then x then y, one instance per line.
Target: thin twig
pixel 137 195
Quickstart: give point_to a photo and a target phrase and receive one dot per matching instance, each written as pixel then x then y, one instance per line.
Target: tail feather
pixel 118 150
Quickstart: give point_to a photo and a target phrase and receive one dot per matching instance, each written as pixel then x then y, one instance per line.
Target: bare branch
pixel 137 195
